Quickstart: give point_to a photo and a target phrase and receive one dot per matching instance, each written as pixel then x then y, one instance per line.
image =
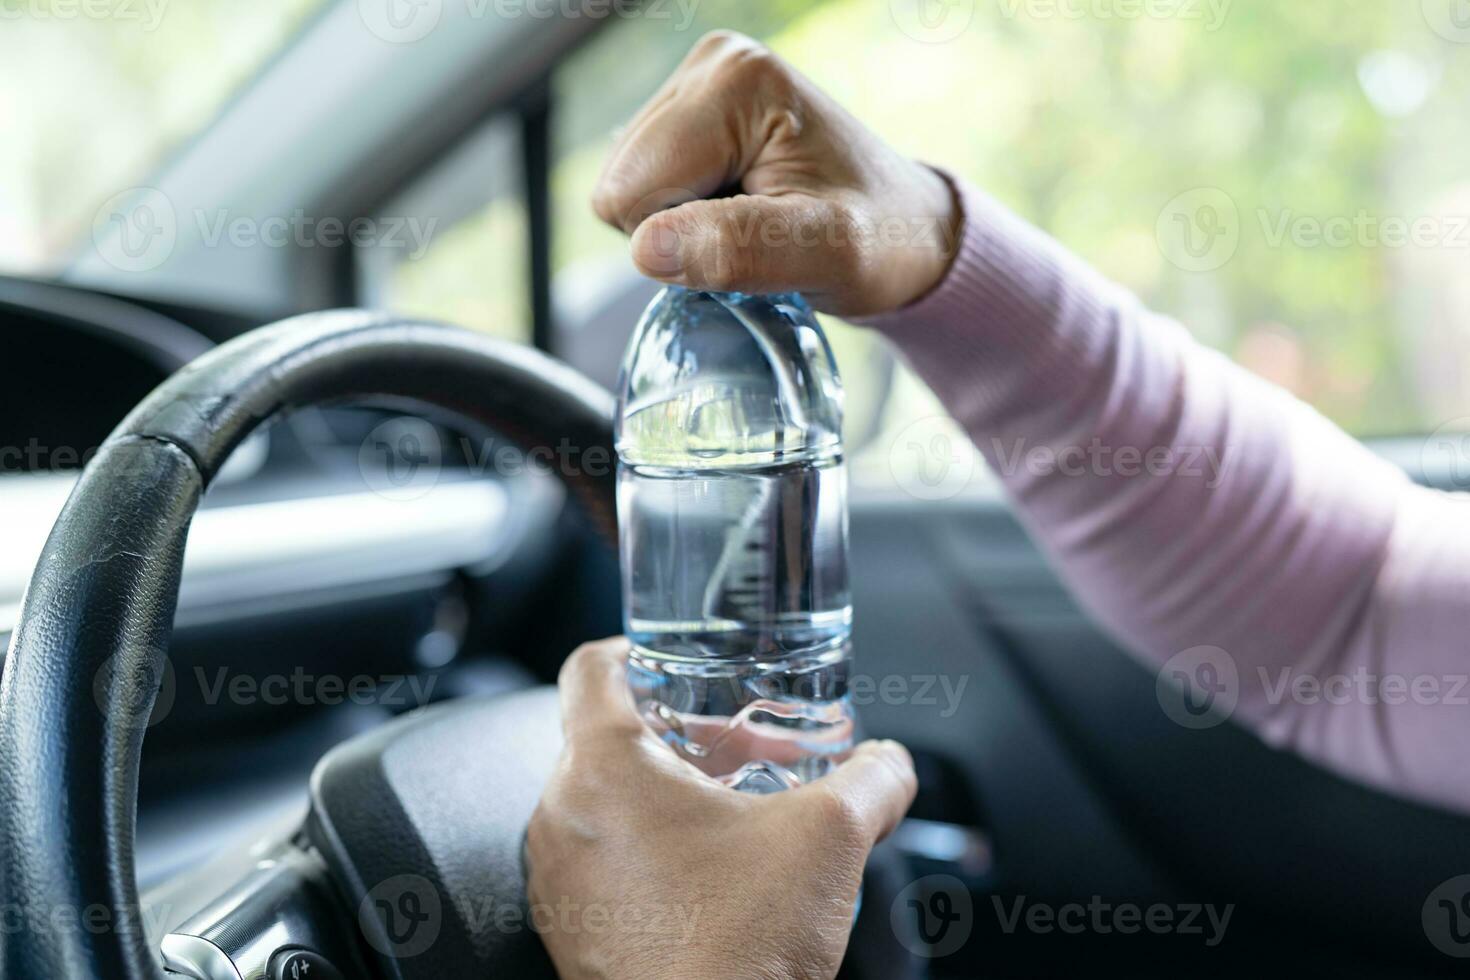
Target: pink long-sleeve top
pixel 1336 591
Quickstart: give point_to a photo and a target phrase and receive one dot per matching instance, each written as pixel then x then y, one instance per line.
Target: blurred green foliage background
pixel 1087 116
pixel 1306 112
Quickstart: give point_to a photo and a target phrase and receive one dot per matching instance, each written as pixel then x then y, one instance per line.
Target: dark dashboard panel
pixel 75 363
pixel 63 392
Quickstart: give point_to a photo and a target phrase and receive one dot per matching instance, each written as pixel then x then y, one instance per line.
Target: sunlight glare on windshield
pixel 111 88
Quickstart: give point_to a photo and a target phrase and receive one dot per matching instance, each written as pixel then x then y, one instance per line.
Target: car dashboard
pixel 321 596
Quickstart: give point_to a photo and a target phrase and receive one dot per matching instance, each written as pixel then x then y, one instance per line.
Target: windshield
pixel 112 86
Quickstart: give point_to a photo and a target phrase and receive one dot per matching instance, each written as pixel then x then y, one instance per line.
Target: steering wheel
pixel 410 863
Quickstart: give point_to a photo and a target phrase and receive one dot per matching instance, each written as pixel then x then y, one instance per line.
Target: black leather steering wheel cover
pixel 88 653
pixel 209 407
pixel 84 666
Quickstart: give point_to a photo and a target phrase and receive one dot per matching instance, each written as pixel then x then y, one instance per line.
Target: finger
pixel 873 789
pixel 747 243
pixel 697 135
pixel 594 692
pixel 679 152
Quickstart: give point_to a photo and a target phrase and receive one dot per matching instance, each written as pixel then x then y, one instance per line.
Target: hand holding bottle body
pixel 706 882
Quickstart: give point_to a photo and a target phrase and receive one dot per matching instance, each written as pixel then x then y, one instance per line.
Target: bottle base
pixel 757 727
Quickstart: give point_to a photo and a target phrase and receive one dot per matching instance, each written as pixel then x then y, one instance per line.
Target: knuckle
pixel 624 730
pixel 739 61
pixel 584 785
pixel 617 200
pixel 587 659
pixel 840 814
pixel 579 784
pixel 728 266
pixel 851 263
pixel 754 67
pixel 606 204
pixel 537 831
pixel 848 247
pixel 719 41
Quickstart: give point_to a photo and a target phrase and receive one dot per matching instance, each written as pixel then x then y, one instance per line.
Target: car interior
pixel 356 690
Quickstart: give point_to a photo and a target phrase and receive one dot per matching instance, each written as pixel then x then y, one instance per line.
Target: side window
pixel 461 250
pixel 1259 171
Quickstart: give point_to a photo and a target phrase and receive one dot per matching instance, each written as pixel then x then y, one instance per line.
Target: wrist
pixel 935 229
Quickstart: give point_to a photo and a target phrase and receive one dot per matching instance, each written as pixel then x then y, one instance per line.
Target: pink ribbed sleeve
pixel 1193 504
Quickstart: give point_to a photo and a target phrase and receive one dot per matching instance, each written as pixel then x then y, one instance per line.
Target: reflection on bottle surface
pixel 733 514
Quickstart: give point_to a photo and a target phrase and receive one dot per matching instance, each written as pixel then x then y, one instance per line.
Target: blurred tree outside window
pixel 474 274
pixel 1290 180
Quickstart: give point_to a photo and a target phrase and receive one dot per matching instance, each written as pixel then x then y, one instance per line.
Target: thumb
pixel 874 788
pixel 748 243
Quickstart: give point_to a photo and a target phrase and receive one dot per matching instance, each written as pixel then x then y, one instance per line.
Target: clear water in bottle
pixel 732 500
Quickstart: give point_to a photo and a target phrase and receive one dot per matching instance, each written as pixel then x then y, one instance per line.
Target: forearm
pixel 1189 503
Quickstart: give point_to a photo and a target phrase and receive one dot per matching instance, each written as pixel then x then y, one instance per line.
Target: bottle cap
pixel 716 380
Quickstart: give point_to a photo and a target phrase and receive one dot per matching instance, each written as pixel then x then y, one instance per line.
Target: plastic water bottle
pixel 732 505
